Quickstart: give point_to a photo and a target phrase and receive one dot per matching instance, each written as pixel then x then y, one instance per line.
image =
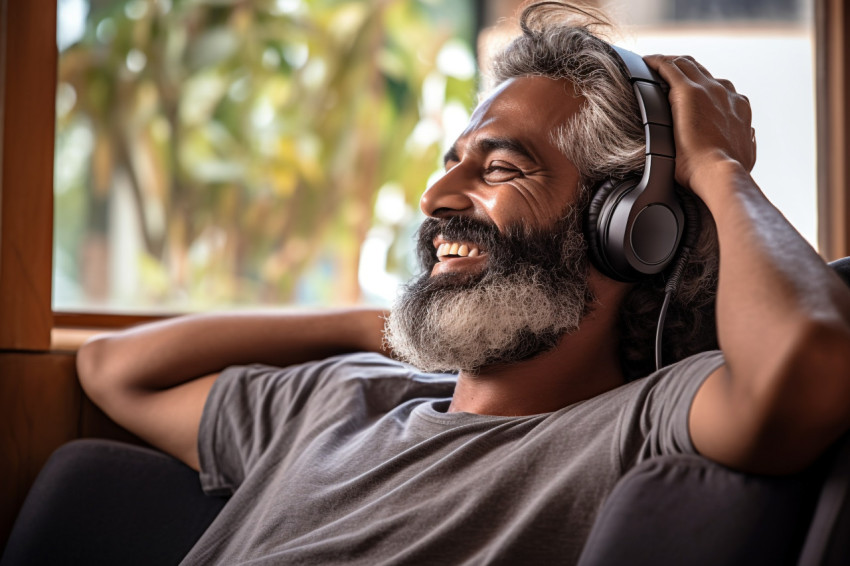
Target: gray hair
pixel 605 139
pixel 553 45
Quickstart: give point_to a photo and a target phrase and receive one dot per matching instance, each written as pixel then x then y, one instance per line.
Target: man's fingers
pixel 663 65
pixel 691 67
pixel 709 113
pixel 755 151
pixel 674 68
pixel 727 84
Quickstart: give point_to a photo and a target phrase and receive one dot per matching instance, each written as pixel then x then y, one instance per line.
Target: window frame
pixel 832 86
pixel 28 71
pixel 28 63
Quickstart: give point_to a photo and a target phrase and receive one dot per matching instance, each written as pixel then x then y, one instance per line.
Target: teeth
pixel 457 249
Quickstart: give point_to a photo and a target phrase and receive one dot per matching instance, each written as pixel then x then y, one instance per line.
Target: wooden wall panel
pixel 95 424
pixel 40 401
pixel 42 407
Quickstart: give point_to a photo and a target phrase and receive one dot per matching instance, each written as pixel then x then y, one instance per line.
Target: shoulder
pixel 649 416
pixel 654 410
pixel 384 381
pixel 366 368
pixel 333 369
pixel 344 375
pixel 684 375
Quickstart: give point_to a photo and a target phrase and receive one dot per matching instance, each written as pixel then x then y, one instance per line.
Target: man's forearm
pixel 784 326
pixel 771 280
pixel 167 353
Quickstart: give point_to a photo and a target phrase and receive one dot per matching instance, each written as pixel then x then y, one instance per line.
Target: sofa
pixel 107 502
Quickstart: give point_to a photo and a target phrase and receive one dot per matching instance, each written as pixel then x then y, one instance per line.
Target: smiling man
pixel 521 293
pixel 331 456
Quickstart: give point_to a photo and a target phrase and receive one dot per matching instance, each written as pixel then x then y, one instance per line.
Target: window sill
pixel 72 329
pixel 70 339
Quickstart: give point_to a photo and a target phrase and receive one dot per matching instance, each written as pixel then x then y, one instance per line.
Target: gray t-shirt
pixel 354 460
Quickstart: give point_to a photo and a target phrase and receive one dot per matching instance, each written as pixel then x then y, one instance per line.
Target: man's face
pixel 504 169
pixel 503 254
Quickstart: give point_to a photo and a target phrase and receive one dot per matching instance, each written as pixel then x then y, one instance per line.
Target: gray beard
pixel 525 299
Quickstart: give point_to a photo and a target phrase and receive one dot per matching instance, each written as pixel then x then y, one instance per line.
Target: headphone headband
pixel 654 109
pixel 637 226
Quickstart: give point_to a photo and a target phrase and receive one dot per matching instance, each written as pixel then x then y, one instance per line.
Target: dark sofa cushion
pixel 677 510
pixel 104 502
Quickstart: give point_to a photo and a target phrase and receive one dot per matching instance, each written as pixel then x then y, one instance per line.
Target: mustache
pixel 461 228
pixel 518 243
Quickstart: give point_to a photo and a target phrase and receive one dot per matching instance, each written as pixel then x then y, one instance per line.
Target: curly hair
pixel 606 140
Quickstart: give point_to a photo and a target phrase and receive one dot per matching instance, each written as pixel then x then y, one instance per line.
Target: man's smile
pixel 454 255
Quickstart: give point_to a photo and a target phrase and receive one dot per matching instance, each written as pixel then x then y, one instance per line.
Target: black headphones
pixel 635 225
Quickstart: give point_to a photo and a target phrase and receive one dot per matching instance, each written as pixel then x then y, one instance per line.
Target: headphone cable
pixel 669 290
pixel 692 224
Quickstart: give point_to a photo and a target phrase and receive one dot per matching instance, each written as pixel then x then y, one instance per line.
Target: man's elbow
pixel 812 395
pixel 93 368
pixel 822 369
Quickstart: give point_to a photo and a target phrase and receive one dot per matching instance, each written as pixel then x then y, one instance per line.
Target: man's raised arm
pixel 783 316
pixel 154 379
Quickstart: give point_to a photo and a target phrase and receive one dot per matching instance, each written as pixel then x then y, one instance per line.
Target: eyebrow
pixel 487 145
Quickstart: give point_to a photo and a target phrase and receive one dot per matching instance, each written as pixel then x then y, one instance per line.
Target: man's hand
pixel 712 122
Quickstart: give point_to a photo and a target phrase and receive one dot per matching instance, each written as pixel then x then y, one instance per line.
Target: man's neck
pixel 581 366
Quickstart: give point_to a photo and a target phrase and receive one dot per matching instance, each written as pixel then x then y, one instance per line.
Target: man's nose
pixel 449 195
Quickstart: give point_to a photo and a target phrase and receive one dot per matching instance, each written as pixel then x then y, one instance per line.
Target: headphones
pixel 635 225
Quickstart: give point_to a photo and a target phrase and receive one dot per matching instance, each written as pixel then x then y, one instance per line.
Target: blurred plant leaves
pixel 252 137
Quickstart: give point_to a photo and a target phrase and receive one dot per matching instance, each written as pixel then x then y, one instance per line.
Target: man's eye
pixel 498 173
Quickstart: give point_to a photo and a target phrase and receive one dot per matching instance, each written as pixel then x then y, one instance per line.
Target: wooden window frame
pixel 28 70
pixel 28 62
pixel 832 49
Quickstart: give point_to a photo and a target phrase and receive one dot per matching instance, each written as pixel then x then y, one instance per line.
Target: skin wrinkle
pixel 532 198
pixel 522 151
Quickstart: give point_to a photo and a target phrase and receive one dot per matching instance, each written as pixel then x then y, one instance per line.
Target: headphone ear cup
pixel 595 250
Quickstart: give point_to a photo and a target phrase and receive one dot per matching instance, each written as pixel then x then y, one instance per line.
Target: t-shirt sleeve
pixel 656 420
pixel 248 406
pixel 258 411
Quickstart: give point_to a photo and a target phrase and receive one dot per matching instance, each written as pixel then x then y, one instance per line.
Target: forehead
pixel 525 107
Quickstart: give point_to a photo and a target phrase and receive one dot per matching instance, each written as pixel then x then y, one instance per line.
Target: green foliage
pixel 249 139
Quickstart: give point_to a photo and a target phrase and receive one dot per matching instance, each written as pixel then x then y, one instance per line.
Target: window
pixel 28 107
pixel 214 154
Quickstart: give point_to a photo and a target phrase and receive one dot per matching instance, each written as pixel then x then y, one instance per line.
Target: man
pixel 361 459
